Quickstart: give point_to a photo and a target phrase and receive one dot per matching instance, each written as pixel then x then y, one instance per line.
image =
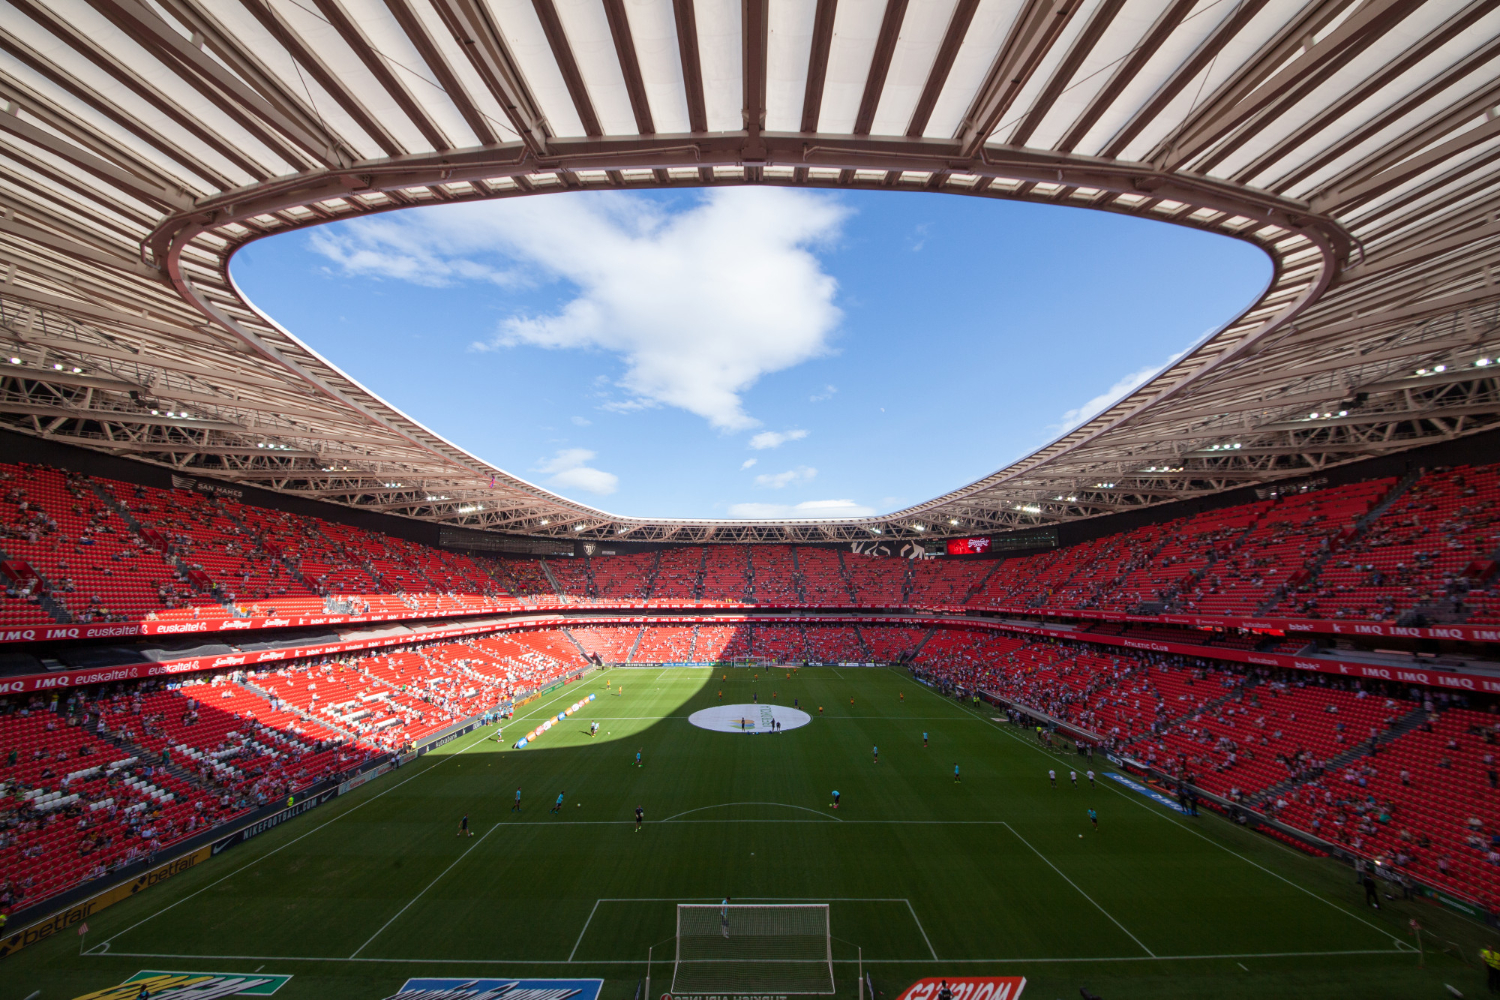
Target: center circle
pixel 748 718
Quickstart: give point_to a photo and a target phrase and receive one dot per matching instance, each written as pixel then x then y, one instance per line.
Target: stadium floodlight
pixel 753 949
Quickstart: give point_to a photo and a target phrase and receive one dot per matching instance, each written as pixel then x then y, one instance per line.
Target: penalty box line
pixel 1136 801
pixel 479 739
pixel 762 899
pixel 1080 891
pixel 1392 952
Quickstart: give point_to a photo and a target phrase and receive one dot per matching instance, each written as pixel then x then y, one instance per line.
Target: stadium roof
pixel 143 141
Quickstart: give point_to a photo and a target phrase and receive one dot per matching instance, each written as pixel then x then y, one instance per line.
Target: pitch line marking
pixel 759 899
pixel 930 948
pixel 1134 799
pixel 1080 891
pixel 724 805
pixel 1394 953
pixel 104 945
pixel 429 885
pixel 585 929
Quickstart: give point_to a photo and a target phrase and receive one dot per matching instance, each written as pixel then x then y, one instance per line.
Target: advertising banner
pixel 191 986
pixel 79 912
pixel 1455 680
pixel 295 807
pixel 967 988
pixel 359 779
pixel 491 988
pixel 1298 626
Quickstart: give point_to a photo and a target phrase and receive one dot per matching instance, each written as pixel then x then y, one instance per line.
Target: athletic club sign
pixel 967 988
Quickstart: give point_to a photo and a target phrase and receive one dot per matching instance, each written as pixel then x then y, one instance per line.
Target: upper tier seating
pixel 74 544
pixel 75 548
pixel 879 583
pixel 623 578
pixel 941 583
pixel 1419 554
pixel 1278 548
pixel 572 575
pixel 823 580
pixel 773 567
pixel 678 576
pixel 726 573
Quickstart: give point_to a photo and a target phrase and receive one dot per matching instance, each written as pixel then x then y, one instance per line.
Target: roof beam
pixel 817 63
pixel 333 11
pixel 267 85
pixel 630 65
pixel 1037 27
pixel 557 39
pixel 880 65
pixel 1388 174
pixel 942 65
pixel 1350 102
pixel 1185 74
pixel 147 190
pixel 452 86
pixel 109 109
pixel 277 130
pixel 1127 71
pixel 755 27
pixel 692 70
pixel 1099 23
pixel 307 60
pixel 1289 82
pixel 476 33
pixel 77 250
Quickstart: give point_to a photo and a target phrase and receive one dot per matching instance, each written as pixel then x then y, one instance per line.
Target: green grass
pixel 990 875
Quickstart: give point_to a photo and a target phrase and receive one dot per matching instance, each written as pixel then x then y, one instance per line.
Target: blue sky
pixel 750 352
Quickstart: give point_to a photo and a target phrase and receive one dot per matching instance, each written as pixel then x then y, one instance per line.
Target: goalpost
pixel 750 948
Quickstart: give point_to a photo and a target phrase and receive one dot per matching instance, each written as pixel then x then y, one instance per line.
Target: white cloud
pixel 808 508
pixel 1109 397
pixel 569 470
pixel 824 396
pixel 582 421
pixel 383 247
pixel 801 474
pixel 747 463
pixel 700 303
pixel 775 439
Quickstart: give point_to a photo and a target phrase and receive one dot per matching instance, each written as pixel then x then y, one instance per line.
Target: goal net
pixel 746 948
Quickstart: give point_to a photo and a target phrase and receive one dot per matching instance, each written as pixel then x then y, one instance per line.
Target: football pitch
pixel 998 873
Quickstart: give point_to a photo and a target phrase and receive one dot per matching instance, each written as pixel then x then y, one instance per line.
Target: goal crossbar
pixel 753 948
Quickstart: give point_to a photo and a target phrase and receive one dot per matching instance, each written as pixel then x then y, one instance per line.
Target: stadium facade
pixel 1353 143
pixel 209 526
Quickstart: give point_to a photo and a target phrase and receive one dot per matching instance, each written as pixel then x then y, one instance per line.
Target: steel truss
pixel 1355 143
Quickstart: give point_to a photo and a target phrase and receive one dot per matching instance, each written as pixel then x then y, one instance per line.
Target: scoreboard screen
pixel 967 546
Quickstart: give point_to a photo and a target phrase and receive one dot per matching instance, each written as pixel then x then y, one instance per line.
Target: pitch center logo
pixel 753 718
